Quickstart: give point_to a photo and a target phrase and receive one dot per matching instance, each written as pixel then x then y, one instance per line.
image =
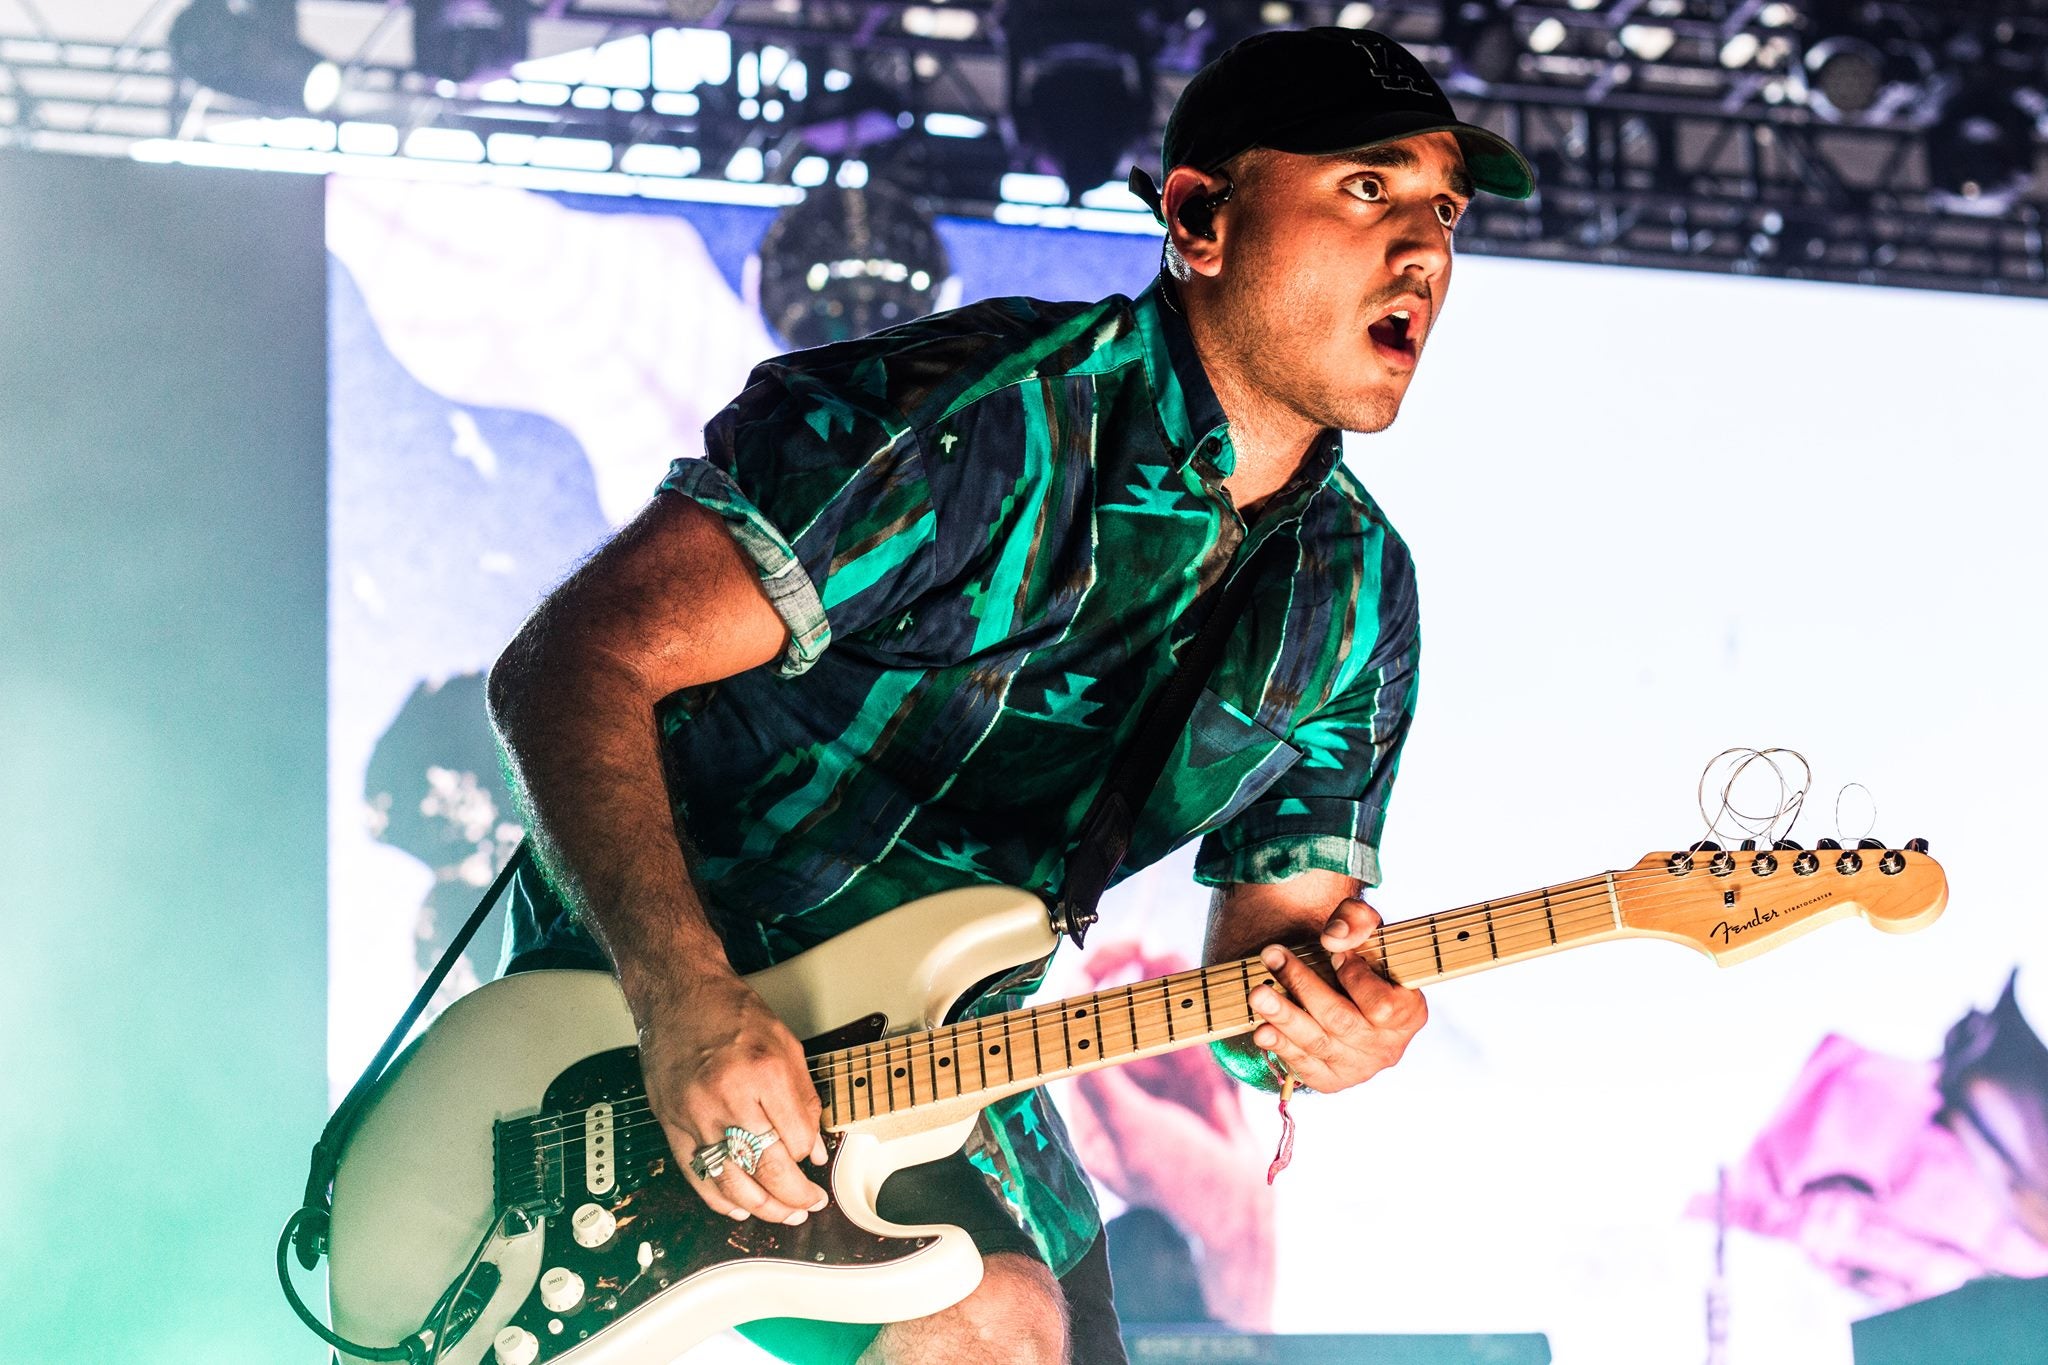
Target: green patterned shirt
pixel 984 530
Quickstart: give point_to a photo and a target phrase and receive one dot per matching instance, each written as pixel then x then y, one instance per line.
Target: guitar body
pixel 520 1111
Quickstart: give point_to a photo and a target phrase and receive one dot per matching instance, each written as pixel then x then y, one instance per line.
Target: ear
pixel 1196 211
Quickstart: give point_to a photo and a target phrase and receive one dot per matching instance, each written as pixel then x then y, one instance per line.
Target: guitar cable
pixel 306 1231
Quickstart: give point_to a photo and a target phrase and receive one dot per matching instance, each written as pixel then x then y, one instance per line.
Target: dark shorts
pixel 952 1190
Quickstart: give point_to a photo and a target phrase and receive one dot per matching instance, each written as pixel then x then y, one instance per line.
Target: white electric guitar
pixel 509 1192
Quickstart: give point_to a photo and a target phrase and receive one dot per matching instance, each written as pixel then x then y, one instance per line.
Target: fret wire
pixel 1205 980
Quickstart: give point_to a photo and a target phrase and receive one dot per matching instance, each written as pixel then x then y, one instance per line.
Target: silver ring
pixel 744 1147
pixel 708 1162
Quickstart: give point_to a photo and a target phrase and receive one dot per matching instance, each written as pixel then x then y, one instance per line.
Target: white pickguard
pixel 414 1192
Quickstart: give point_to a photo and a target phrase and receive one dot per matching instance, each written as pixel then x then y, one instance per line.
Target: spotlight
pixel 844 262
pixel 1845 75
pixel 250 50
pixel 1863 66
pixel 460 40
pixel 1980 152
pixel 1481 36
pixel 852 119
pixel 1080 85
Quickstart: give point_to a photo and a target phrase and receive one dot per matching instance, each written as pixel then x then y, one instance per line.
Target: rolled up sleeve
pixel 826 493
pixel 1326 812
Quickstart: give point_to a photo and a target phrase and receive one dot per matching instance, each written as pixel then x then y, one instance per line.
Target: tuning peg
pixel 1706 846
pixel 1827 843
pixel 1916 845
pixel 1786 845
pixel 1872 843
pixel 1749 845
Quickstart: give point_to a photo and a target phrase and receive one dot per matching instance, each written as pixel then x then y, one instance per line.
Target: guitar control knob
pixel 515 1346
pixel 561 1290
pixel 592 1225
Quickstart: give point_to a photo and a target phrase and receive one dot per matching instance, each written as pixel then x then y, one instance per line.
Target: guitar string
pixel 1039 1018
pixel 1036 1020
pixel 951 1038
pixel 1576 920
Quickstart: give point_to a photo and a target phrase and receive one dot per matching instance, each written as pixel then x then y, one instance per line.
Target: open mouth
pixel 1395 335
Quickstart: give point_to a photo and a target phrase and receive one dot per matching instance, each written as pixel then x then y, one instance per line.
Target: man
pixel 889 636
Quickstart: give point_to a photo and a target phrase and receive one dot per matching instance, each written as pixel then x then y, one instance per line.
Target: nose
pixel 1419 243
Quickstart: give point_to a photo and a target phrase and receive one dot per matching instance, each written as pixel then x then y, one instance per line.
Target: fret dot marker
pixel 1084 1045
pixel 859 1081
pixel 945 1061
pixel 1080 1014
pixel 1464 934
pixel 994 1048
pixel 899 1071
pixel 1187 1004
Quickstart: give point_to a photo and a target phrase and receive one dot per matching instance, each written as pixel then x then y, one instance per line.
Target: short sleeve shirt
pixel 984 531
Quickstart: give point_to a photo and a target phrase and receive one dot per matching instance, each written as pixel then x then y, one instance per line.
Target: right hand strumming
pixel 715 1056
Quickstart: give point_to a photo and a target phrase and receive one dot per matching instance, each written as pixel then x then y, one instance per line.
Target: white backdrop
pixel 1654 515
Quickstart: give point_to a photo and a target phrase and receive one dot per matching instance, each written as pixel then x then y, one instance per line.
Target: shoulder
pixel 922 372
pixel 1347 534
pixel 1345 515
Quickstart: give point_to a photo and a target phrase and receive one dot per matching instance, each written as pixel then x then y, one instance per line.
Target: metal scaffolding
pixel 1690 134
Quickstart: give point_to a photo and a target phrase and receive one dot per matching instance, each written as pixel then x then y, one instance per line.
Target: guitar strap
pixel 1098 852
pixel 1106 830
pixel 306 1232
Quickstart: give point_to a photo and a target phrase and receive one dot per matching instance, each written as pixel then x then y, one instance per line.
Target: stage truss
pixel 1672 133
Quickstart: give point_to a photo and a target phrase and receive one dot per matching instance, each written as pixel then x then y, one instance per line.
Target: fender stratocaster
pixel 509 1193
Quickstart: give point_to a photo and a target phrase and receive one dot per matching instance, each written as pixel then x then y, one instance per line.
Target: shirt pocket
pixel 1223 761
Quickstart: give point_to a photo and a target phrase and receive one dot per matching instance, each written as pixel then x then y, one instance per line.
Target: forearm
pixel 585 757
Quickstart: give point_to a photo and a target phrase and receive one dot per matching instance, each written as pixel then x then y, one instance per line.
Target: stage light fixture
pixel 844 262
pixel 850 119
pixel 250 50
pixel 1845 75
pixel 1482 39
pixel 1980 151
pixel 1863 65
pixel 462 40
pixel 1080 86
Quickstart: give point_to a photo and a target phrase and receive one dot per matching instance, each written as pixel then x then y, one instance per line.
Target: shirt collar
pixel 1188 408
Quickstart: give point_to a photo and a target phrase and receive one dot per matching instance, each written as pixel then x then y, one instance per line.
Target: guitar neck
pixel 981 1060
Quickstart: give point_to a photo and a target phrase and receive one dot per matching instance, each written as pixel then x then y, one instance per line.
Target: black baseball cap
pixel 1317 90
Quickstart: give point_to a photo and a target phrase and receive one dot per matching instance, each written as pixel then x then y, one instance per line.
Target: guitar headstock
pixel 1735 903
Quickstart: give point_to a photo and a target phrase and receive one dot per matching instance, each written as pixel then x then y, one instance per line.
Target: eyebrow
pixel 1394 157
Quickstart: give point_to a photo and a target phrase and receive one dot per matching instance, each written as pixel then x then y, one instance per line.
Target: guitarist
pixel 888 635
